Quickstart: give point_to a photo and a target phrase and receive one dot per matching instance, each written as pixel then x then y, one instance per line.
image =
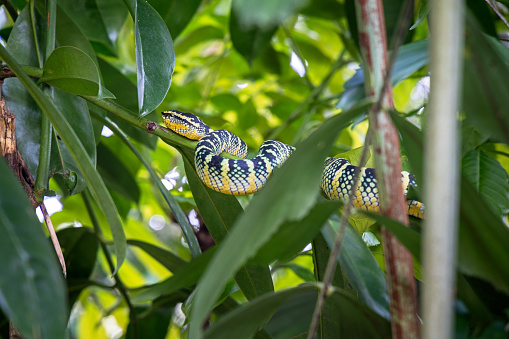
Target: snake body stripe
pixel 247 176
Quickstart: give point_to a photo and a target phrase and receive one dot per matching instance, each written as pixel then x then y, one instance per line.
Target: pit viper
pixel 247 176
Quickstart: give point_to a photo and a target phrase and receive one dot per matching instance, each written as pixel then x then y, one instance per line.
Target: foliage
pixel 132 203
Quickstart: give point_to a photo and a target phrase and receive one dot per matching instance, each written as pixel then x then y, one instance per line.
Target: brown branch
pixel 398 261
pixel 8 149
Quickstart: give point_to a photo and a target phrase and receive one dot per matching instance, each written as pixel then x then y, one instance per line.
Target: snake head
pixel 185 124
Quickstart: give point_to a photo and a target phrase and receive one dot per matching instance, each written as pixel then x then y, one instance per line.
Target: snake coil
pixel 247 176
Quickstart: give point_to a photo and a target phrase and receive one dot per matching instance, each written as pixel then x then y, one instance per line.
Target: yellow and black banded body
pixel 247 176
pixel 230 176
pixel 338 179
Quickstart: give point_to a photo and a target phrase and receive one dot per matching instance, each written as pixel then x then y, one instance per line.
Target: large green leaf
pixel 32 288
pixel 360 267
pixel 249 42
pixel 483 239
pixel 155 57
pixel 266 14
pixel 176 14
pixel 87 16
pixel 357 321
pixel 287 196
pixel 293 236
pixel 71 70
pixel 486 71
pixel 489 178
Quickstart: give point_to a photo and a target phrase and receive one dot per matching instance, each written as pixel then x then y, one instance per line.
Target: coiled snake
pixel 247 176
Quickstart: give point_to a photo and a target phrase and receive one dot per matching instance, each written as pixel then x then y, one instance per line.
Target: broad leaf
pixel 88 18
pixel 485 74
pixel 287 196
pixel 266 14
pixel 489 178
pixel 155 57
pixel 32 288
pixel 293 236
pixel 71 70
pixel 249 42
pixel 176 14
pixel 361 268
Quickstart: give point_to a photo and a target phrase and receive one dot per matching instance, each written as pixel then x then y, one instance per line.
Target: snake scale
pixel 247 176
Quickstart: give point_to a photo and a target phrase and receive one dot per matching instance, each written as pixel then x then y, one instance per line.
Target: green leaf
pixel 411 57
pixel 424 9
pixel 164 257
pixel 176 14
pixel 301 271
pixel 485 74
pixel 293 236
pixel 410 238
pixel 245 320
pixel 483 239
pixel 152 323
pixel 87 16
pixel 79 246
pixel 287 196
pixel 249 42
pixel 266 14
pixel 155 57
pixel 185 276
pixel 71 70
pixel 361 268
pixel 482 235
pixel 116 175
pixel 295 309
pixel 78 152
pixel 489 178
pixel 32 288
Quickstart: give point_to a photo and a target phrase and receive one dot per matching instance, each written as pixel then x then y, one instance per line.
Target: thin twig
pixel 495 9
pixel 331 263
pixel 53 237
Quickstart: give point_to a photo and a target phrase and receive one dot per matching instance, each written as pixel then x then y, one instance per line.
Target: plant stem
pixel 41 182
pixel 170 200
pixel 441 192
pixel 398 260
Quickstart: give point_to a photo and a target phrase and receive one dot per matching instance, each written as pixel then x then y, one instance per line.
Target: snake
pixel 247 176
